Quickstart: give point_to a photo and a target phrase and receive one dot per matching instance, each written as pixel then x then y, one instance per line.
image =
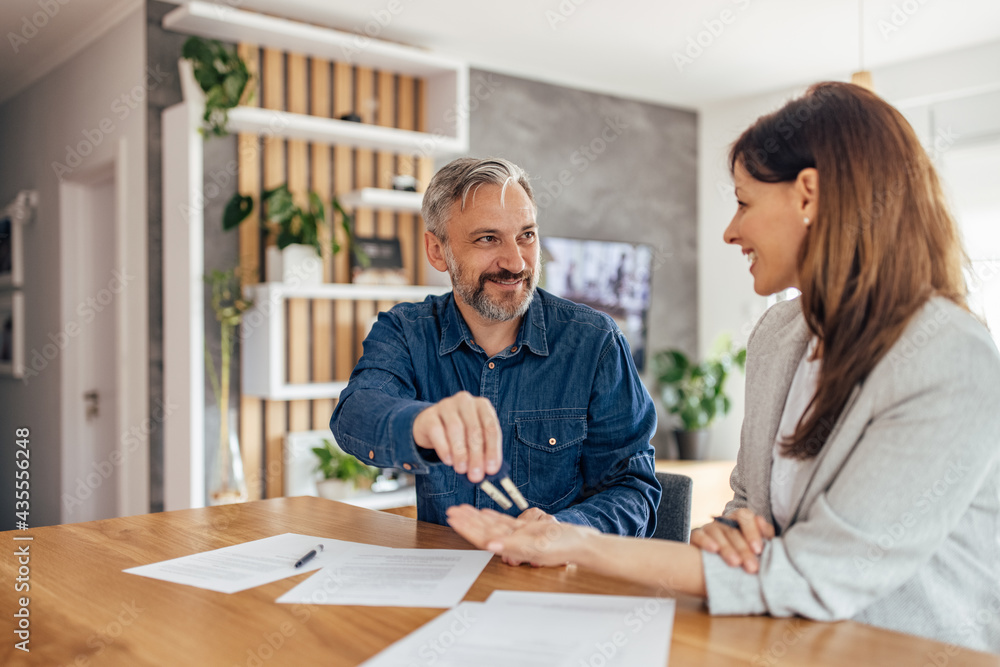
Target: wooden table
pixel 85 611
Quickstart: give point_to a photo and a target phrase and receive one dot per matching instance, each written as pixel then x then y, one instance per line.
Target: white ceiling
pixel 625 47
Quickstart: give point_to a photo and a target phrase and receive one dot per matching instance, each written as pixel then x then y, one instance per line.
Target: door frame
pixel 130 456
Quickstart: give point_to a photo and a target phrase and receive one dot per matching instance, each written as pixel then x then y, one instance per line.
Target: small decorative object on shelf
pixel 342 473
pixel 222 76
pixel 404 182
pixel 351 117
pixel 226 483
pixel 696 392
pixel 384 265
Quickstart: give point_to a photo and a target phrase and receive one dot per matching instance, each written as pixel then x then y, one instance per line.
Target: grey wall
pixel 163 48
pixel 604 168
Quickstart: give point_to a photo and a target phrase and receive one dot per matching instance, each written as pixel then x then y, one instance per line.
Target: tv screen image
pixel 612 277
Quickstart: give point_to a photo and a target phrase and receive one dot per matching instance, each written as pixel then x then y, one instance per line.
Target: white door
pixel 90 470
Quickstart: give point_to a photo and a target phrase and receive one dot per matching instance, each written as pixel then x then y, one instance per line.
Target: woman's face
pixel 769 227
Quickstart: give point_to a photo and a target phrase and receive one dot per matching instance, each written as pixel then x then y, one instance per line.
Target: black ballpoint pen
pixel 726 521
pixel 305 559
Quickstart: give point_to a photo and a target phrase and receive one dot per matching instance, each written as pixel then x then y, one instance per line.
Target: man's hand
pixel 464 432
pixel 737 547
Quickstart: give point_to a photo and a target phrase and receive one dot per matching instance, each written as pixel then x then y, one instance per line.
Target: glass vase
pixel 225 481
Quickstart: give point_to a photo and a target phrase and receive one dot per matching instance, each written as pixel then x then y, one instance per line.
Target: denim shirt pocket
pixel 440 480
pixel 548 445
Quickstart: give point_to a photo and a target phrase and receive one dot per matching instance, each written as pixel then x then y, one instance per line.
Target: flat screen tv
pixel 612 277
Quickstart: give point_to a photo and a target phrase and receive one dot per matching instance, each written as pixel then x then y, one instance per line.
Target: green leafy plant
pixel 335 464
pixel 223 76
pixel 696 392
pixel 291 223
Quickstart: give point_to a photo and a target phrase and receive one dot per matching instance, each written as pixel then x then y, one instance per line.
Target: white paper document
pixel 541 630
pixel 377 576
pixel 243 566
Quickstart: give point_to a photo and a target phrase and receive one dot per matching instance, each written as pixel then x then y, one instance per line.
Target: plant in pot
pixel 297 256
pixel 695 393
pixel 226 482
pixel 342 473
pixel 222 76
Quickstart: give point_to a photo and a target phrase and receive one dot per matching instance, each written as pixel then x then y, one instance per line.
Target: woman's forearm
pixel 673 565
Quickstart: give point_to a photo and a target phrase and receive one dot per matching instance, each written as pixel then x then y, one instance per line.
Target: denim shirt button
pixel 492 365
pixel 407 466
pixel 552 441
pixel 514 349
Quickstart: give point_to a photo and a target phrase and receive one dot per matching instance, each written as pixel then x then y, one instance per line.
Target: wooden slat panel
pixel 248 183
pixel 425 171
pixel 298 334
pixel 385 220
pixel 343 181
pixel 407 232
pixel 273 97
pixel 364 169
pixel 275 415
pixel 322 310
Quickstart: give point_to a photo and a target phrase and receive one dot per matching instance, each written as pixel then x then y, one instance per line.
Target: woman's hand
pixel 541 543
pixel 737 547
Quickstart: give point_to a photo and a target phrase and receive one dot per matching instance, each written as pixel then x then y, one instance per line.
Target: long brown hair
pixel 883 241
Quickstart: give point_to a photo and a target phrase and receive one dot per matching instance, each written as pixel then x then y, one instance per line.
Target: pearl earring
pixel 805 221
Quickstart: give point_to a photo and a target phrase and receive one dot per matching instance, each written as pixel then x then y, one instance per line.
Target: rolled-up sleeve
pixel 374 417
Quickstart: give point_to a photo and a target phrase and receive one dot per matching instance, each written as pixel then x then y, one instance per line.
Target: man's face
pixel 492 252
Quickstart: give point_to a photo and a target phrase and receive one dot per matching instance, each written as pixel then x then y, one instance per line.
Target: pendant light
pixel 862 77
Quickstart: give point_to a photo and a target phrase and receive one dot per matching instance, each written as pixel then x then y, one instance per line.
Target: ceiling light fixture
pixel 862 77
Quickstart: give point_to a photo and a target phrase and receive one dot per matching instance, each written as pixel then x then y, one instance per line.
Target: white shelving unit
pixel 383 199
pixel 263 369
pixel 446 80
pixel 446 84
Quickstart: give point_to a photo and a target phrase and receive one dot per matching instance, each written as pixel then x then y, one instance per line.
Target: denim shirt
pixel 576 419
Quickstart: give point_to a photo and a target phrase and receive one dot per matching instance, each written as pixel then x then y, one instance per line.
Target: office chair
pixel 673 514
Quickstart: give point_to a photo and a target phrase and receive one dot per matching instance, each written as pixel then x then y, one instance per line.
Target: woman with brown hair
pixel 867 484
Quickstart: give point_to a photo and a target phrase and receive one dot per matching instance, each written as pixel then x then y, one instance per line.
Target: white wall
pixel 79 102
pixel 958 83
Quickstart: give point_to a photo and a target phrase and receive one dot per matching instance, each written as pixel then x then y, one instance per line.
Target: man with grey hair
pixel 499 376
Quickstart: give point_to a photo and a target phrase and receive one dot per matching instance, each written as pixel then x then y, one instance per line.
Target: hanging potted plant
pixel 216 76
pixel 695 393
pixel 226 481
